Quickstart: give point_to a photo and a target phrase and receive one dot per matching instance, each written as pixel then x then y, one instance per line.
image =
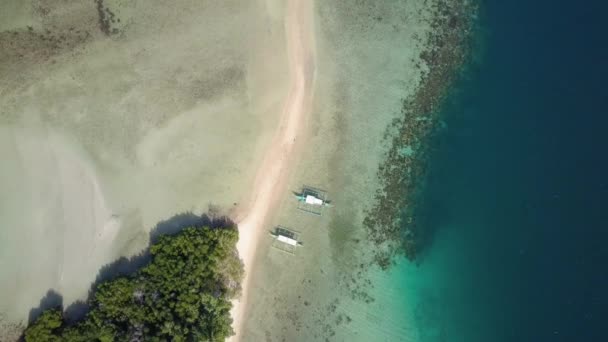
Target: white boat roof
pixel 287 240
pixel 310 199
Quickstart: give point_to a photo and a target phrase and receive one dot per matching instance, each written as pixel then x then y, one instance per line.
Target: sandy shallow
pixel 50 180
pixel 103 136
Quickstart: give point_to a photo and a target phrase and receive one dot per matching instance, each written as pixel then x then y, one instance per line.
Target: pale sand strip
pixel 272 175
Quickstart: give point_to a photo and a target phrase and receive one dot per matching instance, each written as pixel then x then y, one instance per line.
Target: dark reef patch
pixel 56 30
pixel 38 45
pixel 392 223
pixel 106 19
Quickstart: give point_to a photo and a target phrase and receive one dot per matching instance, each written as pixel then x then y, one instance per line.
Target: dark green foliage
pixel 183 294
pixel 45 327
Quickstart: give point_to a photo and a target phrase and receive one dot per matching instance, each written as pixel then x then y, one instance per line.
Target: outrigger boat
pixel 285 239
pixel 311 199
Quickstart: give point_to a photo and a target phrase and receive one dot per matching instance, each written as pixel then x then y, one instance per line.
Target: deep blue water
pixel 519 182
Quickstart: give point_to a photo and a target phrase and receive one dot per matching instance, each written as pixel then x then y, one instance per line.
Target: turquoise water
pixel 517 188
pixel 430 299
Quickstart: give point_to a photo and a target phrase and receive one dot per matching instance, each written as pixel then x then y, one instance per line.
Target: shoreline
pixel 272 175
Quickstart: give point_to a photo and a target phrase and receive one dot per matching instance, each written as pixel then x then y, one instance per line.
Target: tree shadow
pixel 75 311
pixel 184 220
pixel 52 299
pixel 127 266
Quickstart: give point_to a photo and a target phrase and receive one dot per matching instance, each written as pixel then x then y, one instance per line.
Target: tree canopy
pixel 183 294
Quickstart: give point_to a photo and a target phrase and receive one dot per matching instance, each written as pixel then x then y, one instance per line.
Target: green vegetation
pixel 183 294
